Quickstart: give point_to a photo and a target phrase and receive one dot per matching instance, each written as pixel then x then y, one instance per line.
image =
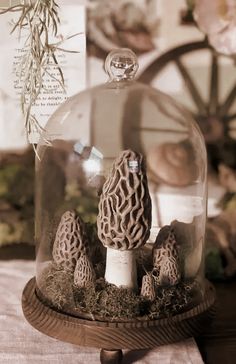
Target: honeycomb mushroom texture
pixel 148 287
pixel 84 275
pixel 70 241
pixel 124 218
pixel 166 260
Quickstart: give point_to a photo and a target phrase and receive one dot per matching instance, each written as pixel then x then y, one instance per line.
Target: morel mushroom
pixel 84 275
pixel 166 260
pixel 148 287
pixel 70 241
pixel 124 218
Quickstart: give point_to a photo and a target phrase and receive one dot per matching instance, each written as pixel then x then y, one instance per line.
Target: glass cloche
pixel 121 202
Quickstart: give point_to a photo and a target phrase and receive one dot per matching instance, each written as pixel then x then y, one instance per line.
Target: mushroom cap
pixel 70 241
pixel 148 287
pixel 124 218
pixel 68 216
pixel 162 236
pixel 166 258
pixel 84 275
pixel 165 245
pixel 173 163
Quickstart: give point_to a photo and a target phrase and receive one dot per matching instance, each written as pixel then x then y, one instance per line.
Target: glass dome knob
pixel 121 64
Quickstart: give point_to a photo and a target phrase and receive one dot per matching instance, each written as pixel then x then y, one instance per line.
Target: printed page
pixel 71 37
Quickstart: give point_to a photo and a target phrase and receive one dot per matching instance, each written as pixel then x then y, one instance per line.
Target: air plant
pixel 39 20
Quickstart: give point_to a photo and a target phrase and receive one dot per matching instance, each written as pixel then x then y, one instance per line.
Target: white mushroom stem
pixel 121 268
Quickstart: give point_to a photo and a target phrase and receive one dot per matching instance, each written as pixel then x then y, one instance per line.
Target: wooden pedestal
pixel 114 336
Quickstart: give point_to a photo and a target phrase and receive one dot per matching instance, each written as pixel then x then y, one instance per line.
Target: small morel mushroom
pixel 124 218
pixel 166 260
pixel 70 241
pixel 84 275
pixel 148 287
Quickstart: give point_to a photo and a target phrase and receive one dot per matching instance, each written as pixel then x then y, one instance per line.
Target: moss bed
pixel 104 301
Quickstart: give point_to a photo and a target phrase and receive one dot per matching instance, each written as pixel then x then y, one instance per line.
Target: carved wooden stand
pixel 115 336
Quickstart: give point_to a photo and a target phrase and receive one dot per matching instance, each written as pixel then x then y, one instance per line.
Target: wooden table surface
pixel 218 344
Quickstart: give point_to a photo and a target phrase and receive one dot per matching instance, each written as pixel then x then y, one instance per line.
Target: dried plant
pixel 39 20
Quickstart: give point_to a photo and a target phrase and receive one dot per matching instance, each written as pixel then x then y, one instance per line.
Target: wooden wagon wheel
pixel 214 117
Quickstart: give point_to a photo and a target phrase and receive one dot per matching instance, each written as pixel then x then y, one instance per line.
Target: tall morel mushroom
pixel 166 259
pixel 70 241
pixel 124 218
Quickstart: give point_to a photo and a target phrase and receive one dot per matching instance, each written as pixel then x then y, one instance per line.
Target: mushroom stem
pixel 121 268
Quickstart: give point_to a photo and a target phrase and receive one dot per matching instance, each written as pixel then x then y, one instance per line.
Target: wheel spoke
pixel 161 130
pixel 214 84
pixel 228 102
pixel 191 87
pixel 227 118
pixel 161 107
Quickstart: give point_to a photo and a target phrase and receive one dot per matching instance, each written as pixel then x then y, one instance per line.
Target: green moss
pixel 83 199
pixel 17 184
pixel 213 264
pixel 7 176
pixel 55 283
pixel 108 301
pixel 10 233
pixel 16 200
pixel 174 299
pixel 17 230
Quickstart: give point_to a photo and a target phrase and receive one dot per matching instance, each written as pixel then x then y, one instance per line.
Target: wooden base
pixel 113 336
pixel 111 356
